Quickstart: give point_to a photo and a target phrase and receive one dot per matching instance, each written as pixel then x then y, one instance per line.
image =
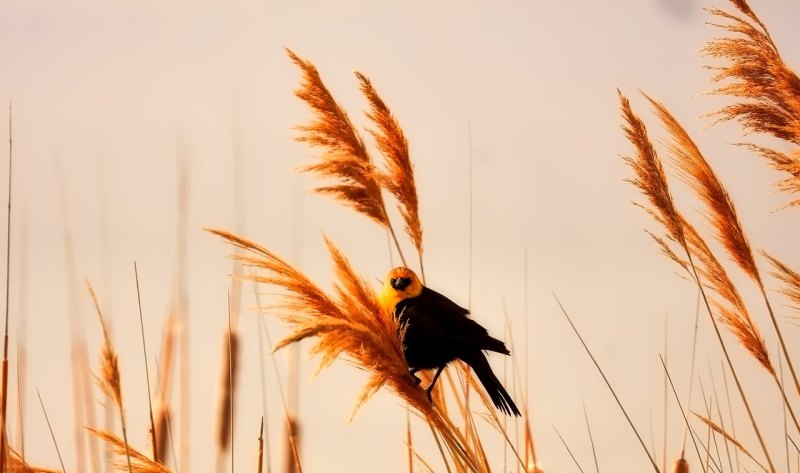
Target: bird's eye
pixel 393 281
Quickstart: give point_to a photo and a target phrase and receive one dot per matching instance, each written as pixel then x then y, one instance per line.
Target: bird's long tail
pixel 500 397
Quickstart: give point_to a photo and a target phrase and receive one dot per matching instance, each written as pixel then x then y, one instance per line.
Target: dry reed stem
pixel 260 461
pixel 140 463
pixel 345 156
pixel 716 428
pixel 4 397
pixel 228 378
pixel 399 176
pixel 292 457
pixel 569 450
pixel 767 88
pixel 350 323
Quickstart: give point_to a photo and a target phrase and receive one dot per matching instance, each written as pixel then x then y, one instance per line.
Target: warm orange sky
pixel 108 92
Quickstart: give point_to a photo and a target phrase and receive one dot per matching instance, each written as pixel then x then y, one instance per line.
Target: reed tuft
pixel 789 277
pixel 399 176
pixel 230 350
pixel 695 171
pixel 728 437
pixel 139 462
pixel 345 156
pixel 767 89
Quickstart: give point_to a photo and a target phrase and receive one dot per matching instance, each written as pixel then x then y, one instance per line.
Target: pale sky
pixel 109 93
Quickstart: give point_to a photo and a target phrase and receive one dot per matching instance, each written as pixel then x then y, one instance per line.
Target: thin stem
pixel 683 413
pixel 591 439
pixel 261 446
pixel 4 402
pixel 230 379
pixel 146 370
pixel 730 414
pixel 50 427
pixel 568 449
pixel 608 383
pixel 691 370
pixel 783 346
pixel 292 444
pixel 394 237
pixel 666 404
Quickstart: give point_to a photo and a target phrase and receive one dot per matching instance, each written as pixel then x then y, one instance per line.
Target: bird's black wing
pixel 454 322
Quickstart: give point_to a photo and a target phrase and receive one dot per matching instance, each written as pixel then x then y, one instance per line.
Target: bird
pixel 439 331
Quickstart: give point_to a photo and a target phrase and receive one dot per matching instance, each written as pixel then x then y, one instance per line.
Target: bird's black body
pixel 439 331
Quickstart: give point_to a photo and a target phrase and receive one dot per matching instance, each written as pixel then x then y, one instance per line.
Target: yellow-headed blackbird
pixel 439 331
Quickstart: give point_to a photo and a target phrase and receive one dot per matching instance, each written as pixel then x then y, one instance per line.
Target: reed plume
pixel 109 380
pixel 345 156
pixel 399 176
pixel 767 89
pixel 728 437
pixel 350 323
pixel 789 277
pixel 228 378
pixel 649 176
pixel 163 414
pixel 139 462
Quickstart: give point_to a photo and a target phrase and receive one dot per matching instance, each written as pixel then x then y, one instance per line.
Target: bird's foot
pixel 428 393
pixel 417 381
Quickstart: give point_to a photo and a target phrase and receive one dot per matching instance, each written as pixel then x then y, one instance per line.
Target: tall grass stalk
pixel 4 401
pixel 52 434
pixel 153 439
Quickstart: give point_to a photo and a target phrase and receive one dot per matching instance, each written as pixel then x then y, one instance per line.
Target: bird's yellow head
pixel 401 283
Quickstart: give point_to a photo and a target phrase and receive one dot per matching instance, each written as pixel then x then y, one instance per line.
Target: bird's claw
pixel 417 381
pixel 428 394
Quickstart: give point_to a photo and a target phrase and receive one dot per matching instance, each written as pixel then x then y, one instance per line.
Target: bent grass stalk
pixel 608 383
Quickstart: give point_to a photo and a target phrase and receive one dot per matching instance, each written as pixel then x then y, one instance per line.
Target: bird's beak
pixel 400 283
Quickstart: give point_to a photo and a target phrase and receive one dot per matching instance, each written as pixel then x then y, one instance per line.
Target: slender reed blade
pixel 153 439
pixel 50 428
pixel 608 384
pixel 569 450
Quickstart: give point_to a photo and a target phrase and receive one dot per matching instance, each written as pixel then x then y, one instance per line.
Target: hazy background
pixel 111 94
